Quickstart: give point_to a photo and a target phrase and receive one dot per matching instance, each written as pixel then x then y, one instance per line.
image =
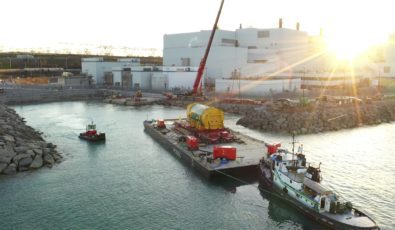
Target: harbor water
pixel 131 182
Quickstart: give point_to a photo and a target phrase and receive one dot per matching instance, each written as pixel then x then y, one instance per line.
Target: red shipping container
pixel 228 152
pixel 192 143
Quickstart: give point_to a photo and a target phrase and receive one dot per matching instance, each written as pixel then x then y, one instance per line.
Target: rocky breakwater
pixel 317 118
pixel 21 147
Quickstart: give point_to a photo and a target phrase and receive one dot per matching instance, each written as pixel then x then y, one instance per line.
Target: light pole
pixel 378 83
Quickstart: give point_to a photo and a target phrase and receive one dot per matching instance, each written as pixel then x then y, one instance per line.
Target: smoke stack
pixel 280 23
pixel 297 26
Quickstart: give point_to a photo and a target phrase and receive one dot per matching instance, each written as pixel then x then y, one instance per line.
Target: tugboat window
pixel 322 203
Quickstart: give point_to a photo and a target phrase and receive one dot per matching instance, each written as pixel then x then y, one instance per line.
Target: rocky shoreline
pixel 21 147
pixel 317 118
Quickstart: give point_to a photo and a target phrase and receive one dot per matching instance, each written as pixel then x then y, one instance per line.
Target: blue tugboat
pixel 297 182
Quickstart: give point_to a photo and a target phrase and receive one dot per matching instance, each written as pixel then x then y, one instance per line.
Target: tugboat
pixel 91 134
pixel 294 180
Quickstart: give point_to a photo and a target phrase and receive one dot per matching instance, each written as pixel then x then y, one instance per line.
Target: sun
pixel 346 46
pixel 347 42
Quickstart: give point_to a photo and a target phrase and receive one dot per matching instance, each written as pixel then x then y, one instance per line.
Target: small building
pixel 97 67
pixel 257 87
pixel 156 78
pixel 72 81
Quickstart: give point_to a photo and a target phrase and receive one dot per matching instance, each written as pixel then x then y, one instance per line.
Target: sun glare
pixel 348 44
pixel 346 47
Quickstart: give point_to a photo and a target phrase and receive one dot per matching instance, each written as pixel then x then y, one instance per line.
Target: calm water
pixel 132 182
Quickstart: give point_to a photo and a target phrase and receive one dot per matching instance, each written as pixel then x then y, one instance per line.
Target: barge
pixel 211 151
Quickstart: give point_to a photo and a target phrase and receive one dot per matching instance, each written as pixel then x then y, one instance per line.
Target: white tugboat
pixel 296 181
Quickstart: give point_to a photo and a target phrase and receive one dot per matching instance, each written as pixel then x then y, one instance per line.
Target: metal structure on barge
pixel 202 141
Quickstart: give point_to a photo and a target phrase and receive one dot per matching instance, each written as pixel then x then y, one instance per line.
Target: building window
pixel 227 41
pixel 263 34
pixel 185 62
pixel 259 61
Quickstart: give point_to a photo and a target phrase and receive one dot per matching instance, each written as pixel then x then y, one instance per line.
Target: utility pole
pixel 304 77
pixel 378 84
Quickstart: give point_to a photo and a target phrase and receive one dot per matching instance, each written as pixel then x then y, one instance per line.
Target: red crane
pixel 202 65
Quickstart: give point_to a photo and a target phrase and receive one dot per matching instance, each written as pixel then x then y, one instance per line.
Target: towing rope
pixel 249 184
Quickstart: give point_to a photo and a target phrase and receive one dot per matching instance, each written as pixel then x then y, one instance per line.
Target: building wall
pixel 181 80
pixel 158 81
pixel 221 62
pixel 241 50
pixel 141 80
pixel 117 77
pixel 196 39
pixel 73 81
pixel 329 80
pixel 77 81
pixel 271 38
pixel 96 67
pixel 257 87
pixel 127 81
pixel 388 68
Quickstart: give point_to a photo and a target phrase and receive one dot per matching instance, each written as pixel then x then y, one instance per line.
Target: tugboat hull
pixel 327 222
pixel 266 183
pixel 93 138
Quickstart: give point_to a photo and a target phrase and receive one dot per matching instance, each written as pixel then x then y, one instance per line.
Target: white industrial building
pixel 247 52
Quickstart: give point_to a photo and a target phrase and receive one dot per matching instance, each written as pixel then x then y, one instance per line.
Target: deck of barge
pixel 249 151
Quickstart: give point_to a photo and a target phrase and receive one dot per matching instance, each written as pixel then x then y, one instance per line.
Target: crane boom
pixel 204 59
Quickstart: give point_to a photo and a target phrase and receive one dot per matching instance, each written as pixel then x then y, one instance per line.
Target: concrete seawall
pixel 41 95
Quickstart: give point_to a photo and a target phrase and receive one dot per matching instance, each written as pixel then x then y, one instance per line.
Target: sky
pixel 138 26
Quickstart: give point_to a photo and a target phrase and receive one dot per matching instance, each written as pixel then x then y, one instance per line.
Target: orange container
pixel 192 143
pixel 272 148
pixel 227 152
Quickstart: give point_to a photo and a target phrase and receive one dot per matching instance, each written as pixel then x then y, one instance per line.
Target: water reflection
pixel 282 212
